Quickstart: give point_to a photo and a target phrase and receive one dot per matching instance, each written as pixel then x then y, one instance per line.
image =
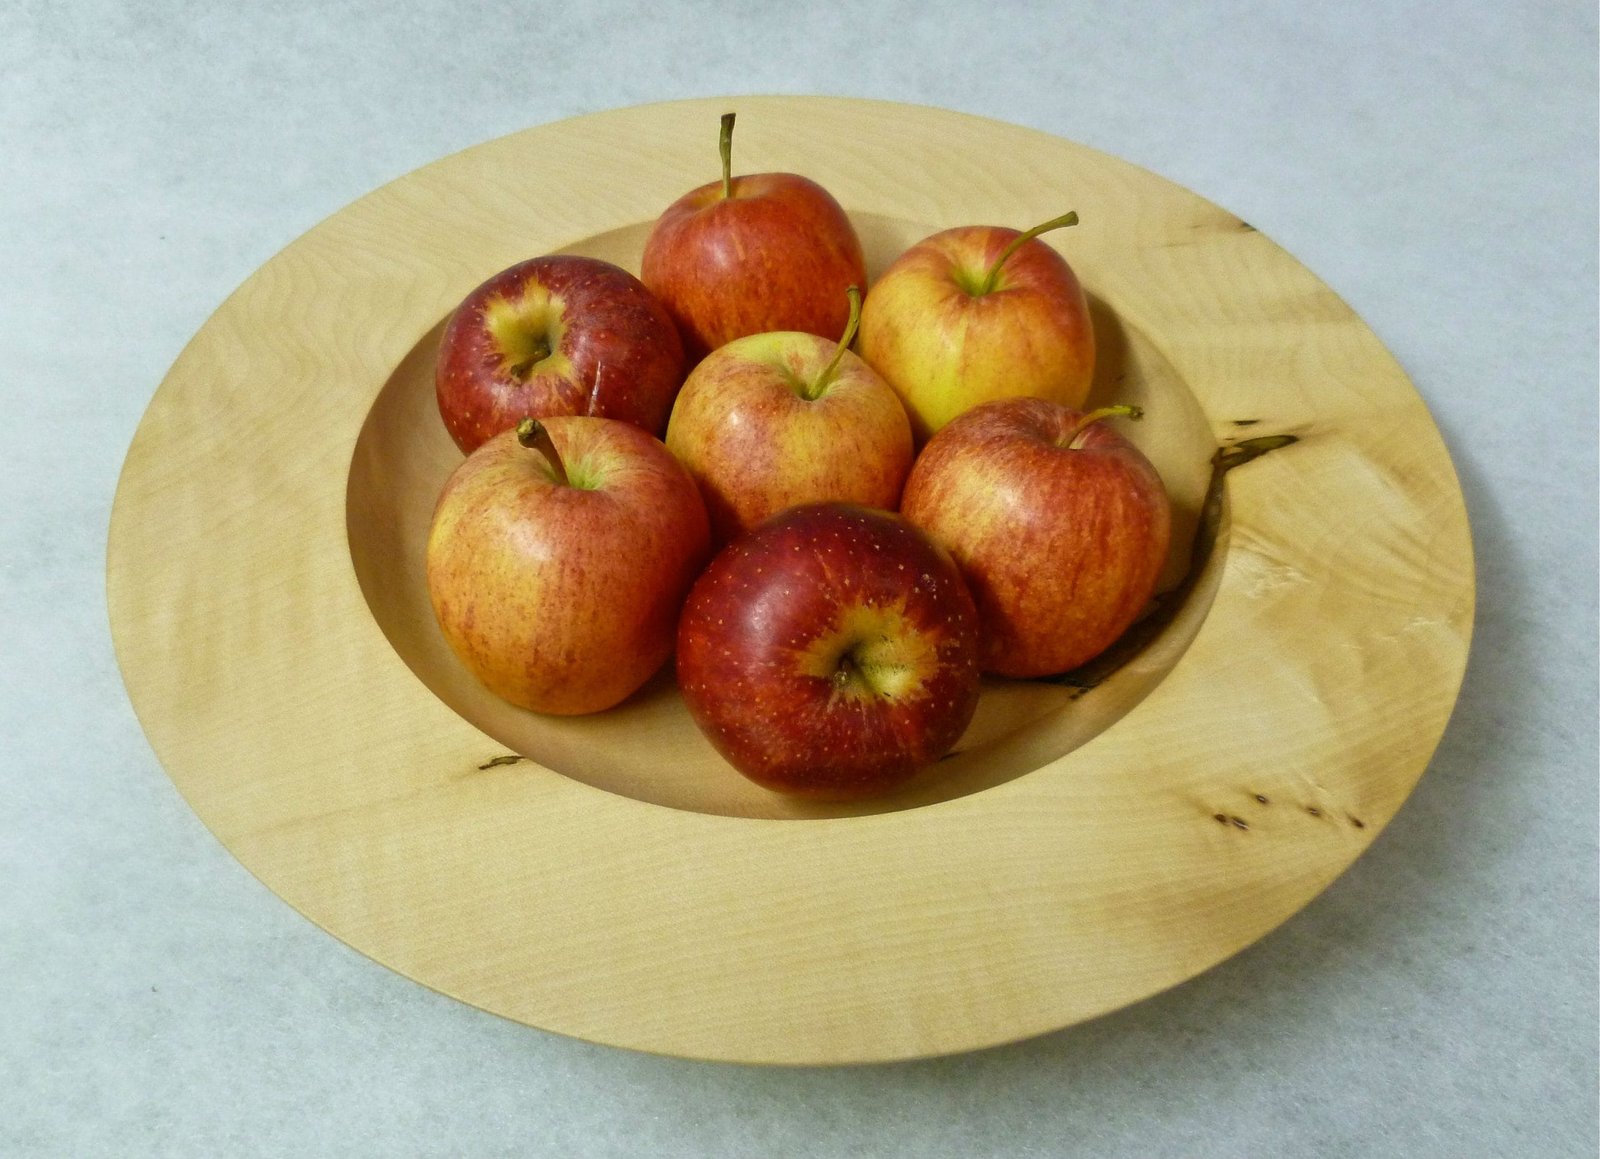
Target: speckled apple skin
pixel 565 599
pixel 619 356
pixel 945 351
pixel 1061 547
pixel 762 630
pixel 778 254
pixel 756 445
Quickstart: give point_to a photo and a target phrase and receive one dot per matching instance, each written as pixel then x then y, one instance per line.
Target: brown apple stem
pixel 1022 239
pixel 822 380
pixel 538 351
pixel 1094 416
pixel 531 433
pixel 725 145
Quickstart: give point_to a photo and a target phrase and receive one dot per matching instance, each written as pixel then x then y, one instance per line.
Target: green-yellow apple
pixel 773 420
pixel 557 335
pixel 830 653
pixel 752 254
pixel 1059 524
pixel 979 313
pixel 559 555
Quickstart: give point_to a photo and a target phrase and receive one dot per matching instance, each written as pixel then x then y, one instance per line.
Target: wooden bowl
pixel 609 877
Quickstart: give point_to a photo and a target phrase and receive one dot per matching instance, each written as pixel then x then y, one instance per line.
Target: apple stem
pixel 1022 239
pixel 531 433
pixel 822 380
pixel 1094 416
pixel 538 351
pixel 725 146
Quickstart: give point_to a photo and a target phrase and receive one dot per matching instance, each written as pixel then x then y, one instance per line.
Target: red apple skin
pixel 744 426
pixel 564 599
pixel 614 350
pixel 945 350
pixel 776 255
pixel 1060 545
pixel 831 653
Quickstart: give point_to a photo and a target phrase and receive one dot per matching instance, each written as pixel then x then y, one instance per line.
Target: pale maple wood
pixel 608 877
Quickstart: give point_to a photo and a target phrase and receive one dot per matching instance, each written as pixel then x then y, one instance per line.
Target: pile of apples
pixel 835 545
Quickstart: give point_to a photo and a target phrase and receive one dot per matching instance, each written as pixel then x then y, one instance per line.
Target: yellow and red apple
pixel 559 555
pixel 752 254
pixel 979 313
pixel 773 420
pixel 1059 524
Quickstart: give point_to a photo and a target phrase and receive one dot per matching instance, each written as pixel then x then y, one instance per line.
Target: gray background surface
pixel 1435 164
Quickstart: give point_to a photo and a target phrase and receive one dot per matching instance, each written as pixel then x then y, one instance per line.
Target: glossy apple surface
pixel 955 321
pixel 1060 526
pixel 830 653
pixel 557 335
pixel 557 580
pixel 774 420
pixel 752 254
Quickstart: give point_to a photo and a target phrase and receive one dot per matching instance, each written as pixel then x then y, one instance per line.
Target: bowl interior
pixel 648 748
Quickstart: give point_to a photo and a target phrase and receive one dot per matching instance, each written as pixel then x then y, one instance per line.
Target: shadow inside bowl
pixel 648 748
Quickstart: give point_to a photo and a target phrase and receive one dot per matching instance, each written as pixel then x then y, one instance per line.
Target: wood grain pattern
pixel 615 882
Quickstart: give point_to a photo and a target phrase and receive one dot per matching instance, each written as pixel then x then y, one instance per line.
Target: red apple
pixel 1060 526
pixel 831 652
pixel 752 254
pixel 774 420
pixel 557 335
pixel 979 313
pixel 558 558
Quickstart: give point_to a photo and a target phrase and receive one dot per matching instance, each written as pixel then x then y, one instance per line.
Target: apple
pixel 558 557
pixel 1059 524
pixel 978 313
pixel 830 653
pixel 752 254
pixel 557 335
pixel 773 420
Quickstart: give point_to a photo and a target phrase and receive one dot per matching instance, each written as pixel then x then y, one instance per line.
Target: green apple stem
pixel 1094 416
pixel 531 433
pixel 725 145
pixel 821 382
pixel 1022 239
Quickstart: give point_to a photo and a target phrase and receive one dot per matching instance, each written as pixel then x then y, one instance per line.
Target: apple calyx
pixel 992 276
pixel 871 654
pixel 1070 440
pixel 725 147
pixel 862 672
pixel 531 433
pixel 820 384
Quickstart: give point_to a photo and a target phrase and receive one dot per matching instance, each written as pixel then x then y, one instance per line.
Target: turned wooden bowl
pixel 1093 839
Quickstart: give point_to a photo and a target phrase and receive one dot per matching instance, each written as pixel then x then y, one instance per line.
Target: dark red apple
pixel 1059 524
pixel 753 254
pixel 557 335
pixel 558 558
pixel 831 652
